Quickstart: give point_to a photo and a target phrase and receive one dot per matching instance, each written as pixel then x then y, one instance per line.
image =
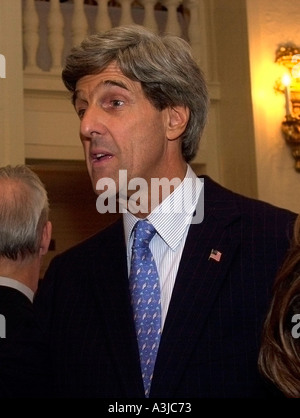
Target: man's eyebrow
pixel 113 83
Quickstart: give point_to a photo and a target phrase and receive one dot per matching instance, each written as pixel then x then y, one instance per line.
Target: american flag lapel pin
pixel 215 255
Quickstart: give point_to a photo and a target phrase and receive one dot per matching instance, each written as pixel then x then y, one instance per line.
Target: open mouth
pixel 100 156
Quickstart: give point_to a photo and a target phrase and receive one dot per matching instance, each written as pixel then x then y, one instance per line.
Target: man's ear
pixel 46 238
pixel 178 117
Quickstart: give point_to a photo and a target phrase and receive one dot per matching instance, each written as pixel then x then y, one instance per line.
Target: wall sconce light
pixel 288 55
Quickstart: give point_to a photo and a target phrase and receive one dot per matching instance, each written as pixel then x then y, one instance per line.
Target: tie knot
pixel 144 231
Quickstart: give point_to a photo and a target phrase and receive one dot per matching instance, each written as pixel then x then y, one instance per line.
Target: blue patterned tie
pixel 145 296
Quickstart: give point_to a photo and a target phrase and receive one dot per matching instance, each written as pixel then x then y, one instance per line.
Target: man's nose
pixel 92 123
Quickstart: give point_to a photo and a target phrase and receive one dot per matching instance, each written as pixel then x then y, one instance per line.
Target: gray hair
pixel 163 64
pixel 24 210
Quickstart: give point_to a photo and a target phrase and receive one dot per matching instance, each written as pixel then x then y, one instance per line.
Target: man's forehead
pixel 111 70
pixel 108 78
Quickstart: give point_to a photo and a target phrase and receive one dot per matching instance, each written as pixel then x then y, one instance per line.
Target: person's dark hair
pixel 279 358
pixel 24 210
pixel 163 64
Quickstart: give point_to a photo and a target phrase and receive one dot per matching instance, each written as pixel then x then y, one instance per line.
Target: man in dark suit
pixel 142 103
pixel 25 233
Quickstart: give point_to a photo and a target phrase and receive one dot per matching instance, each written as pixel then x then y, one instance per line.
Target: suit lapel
pixel 197 284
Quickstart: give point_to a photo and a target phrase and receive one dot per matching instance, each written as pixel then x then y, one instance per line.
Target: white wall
pixel 236 142
pixel 11 87
pixel 271 23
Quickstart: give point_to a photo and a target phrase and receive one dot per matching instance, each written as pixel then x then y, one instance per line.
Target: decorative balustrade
pixel 50 28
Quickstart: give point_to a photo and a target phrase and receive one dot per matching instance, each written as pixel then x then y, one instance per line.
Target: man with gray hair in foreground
pixel 25 234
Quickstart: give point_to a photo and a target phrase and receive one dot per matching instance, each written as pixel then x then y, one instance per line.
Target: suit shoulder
pixel 218 193
pixel 100 240
pixel 253 214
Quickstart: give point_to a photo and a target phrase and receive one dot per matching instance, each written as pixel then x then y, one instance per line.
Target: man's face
pixel 120 129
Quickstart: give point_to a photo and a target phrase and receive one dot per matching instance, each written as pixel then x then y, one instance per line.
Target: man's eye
pixel 80 113
pixel 117 103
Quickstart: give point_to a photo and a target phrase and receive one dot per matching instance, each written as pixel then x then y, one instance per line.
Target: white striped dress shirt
pixel 171 220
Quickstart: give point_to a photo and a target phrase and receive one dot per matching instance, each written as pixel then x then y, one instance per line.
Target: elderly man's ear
pixel 46 238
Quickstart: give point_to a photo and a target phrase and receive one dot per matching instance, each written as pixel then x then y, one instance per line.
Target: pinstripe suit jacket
pixel 210 342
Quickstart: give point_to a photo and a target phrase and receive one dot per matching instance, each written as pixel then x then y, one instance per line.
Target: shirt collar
pixel 15 284
pixel 171 228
